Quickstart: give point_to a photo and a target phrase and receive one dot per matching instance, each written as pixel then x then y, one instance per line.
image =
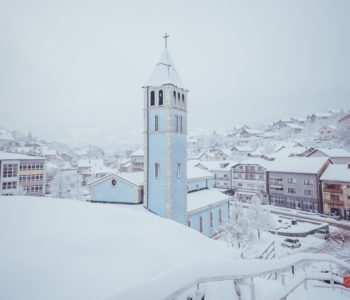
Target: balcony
pixel 333 202
pixel 333 191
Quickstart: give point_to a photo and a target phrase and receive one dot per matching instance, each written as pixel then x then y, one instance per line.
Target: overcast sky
pixel 73 70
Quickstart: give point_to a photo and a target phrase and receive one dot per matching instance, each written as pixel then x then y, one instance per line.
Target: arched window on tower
pixel 153 100
pixel 174 100
pixel 176 123
pixel 178 99
pixel 183 100
pixel 181 124
pixel 156 123
pixel 160 97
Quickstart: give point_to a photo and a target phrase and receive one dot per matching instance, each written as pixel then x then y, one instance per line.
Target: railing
pixel 186 281
pixel 333 202
pixel 334 191
pixel 269 252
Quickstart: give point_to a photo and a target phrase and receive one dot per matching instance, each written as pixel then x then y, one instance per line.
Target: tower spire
pixel 165 37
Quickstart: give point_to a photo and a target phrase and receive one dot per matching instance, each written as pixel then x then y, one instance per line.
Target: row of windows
pixel 33 177
pixel 290 180
pixel 9 170
pixel 34 189
pixel 211 220
pixel 31 166
pixel 9 185
pixel 178 99
pixel 157 170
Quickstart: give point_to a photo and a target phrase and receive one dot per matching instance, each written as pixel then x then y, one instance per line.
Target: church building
pixel 168 190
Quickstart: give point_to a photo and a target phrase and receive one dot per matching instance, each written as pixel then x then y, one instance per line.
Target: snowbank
pixel 66 249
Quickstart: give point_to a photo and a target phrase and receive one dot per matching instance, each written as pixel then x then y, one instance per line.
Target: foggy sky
pixel 73 70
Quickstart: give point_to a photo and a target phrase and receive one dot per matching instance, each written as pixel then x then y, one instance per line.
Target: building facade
pixel 249 179
pixel 295 183
pixel 336 190
pixel 21 175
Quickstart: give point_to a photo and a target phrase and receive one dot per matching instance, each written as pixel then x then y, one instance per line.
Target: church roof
pixel 165 72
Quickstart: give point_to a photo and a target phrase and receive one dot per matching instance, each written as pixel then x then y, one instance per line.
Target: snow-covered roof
pixel 333 127
pixel 138 152
pixel 204 198
pixel 306 165
pixel 15 156
pixel 289 151
pixel 295 126
pixel 251 131
pixel 215 165
pixel 195 172
pixel 99 169
pixel 322 115
pixel 337 172
pixel 135 178
pixel 243 148
pixel 86 163
pixel 257 161
pixel 165 72
pixel 334 152
pixel 96 251
pixel 49 152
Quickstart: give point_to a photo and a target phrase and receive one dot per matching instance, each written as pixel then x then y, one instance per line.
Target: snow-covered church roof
pixel 165 72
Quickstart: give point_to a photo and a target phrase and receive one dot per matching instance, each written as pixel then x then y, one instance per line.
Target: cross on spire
pixel 165 37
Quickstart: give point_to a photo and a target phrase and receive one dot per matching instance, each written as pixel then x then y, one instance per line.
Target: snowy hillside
pixel 66 249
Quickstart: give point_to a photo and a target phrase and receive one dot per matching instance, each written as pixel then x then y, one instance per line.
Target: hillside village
pixel 244 162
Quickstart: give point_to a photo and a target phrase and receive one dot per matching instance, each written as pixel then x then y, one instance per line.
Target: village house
pixel 136 159
pixel 336 190
pixel 293 182
pixel 344 119
pixel 327 132
pixel 336 155
pixel 249 179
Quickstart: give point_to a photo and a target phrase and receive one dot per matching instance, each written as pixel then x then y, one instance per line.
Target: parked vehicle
pixel 291 243
pixel 323 233
pixel 334 216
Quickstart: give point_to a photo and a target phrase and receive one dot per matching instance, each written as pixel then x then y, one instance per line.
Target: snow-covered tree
pixel 236 231
pixel 260 217
pixel 66 185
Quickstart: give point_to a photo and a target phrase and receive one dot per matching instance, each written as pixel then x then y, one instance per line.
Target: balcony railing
pixel 334 191
pixel 334 202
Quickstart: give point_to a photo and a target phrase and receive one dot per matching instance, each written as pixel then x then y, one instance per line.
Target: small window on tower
pixel 155 123
pixel 183 101
pixel 160 95
pixel 181 124
pixel 178 99
pixel 153 101
pixel 174 101
pixel 178 170
pixel 177 123
pixel 156 170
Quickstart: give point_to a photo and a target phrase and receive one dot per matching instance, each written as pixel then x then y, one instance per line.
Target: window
pixel 177 123
pixel 178 170
pixel 174 99
pixel 201 224
pixel 334 197
pixel 156 170
pixel 155 123
pixel 211 219
pixel 178 99
pixel 308 192
pixel 10 170
pixel 291 191
pixel 180 123
pixel 160 97
pixel 291 180
pixel 183 101
pixel 220 216
pixel 307 182
pixel 189 223
pixel 153 100
pixel 114 182
pixel 9 185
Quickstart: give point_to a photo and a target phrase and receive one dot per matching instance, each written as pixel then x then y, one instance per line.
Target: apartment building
pixel 21 174
pixel 249 179
pixel 336 190
pixel 294 182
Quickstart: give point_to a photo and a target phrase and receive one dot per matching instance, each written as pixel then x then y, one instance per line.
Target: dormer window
pixel 160 98
pixel 153 98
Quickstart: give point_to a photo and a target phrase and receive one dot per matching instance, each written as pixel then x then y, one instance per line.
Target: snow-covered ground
pixel 67 249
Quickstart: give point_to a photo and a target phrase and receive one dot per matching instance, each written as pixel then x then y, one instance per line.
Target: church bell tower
pixel 165 136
